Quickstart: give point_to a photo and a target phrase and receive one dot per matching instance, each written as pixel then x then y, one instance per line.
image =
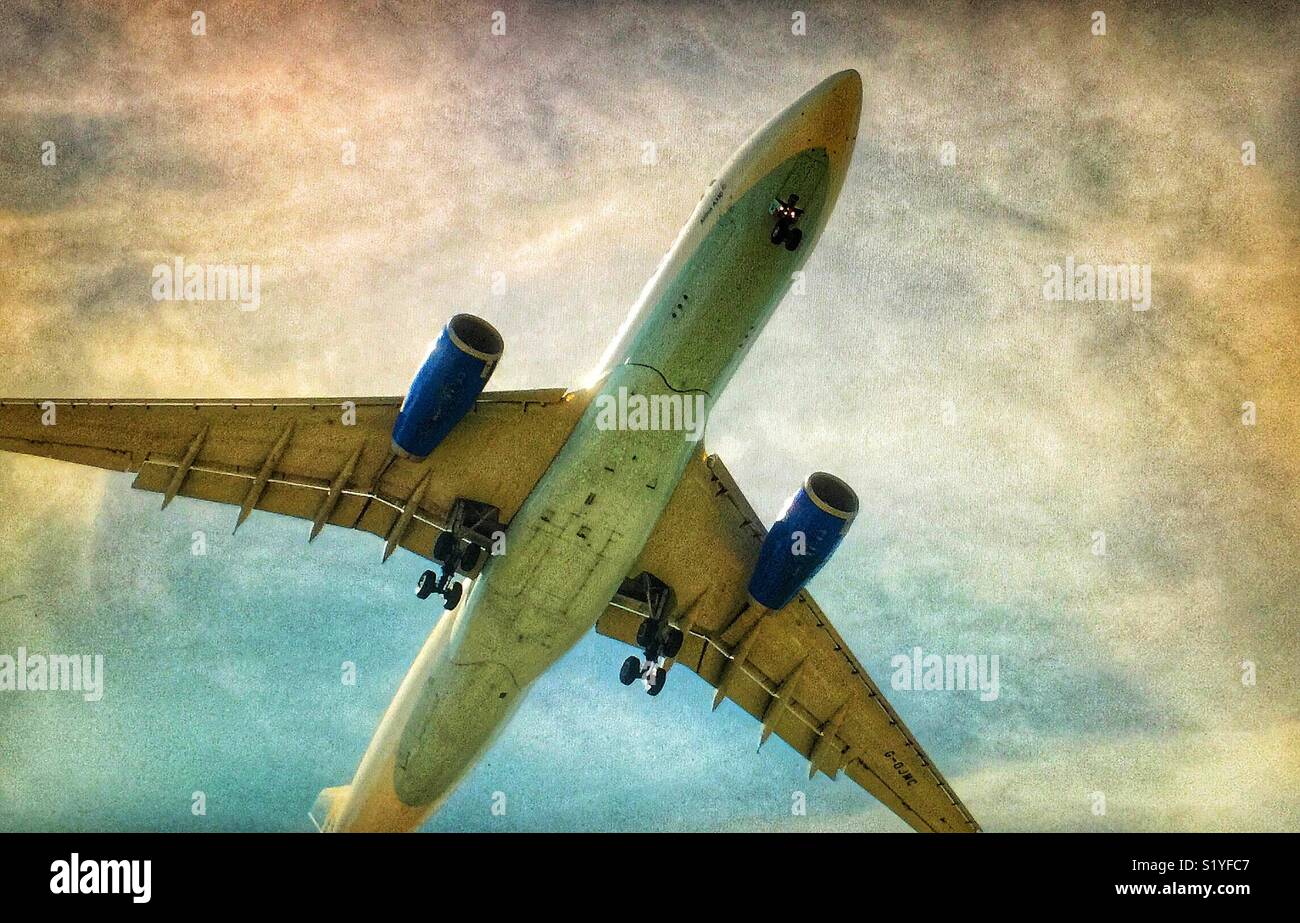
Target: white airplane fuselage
pixel 584 525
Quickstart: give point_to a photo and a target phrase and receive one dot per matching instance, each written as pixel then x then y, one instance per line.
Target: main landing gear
pixel 787 214
pixel 655 636
pixel 463 549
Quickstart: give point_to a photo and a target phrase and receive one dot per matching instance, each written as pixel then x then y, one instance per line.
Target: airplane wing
pixel 326 460
pixel 790 669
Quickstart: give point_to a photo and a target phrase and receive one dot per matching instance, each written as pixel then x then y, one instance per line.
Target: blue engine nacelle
pixel 809 530
pixel 452 376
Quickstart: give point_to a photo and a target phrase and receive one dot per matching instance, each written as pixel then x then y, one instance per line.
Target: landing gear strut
pixel 787 214
pixel 655 636
pixel 462 549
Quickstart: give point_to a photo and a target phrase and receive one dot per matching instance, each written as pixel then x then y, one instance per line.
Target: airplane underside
pixel 549 512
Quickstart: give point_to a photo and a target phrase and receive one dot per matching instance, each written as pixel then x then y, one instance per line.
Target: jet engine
pixel 451 377
pixel 805 536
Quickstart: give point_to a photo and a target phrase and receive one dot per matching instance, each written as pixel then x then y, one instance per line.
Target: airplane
pixel 560 515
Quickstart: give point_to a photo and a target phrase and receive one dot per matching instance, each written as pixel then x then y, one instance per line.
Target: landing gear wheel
pixel 792 239
pixel 443 547
pixel 631 669
pixel 453 595
pixel 469 560
pixel 428 583
pixel 673 644
pixel 644 633
pixel 657 685
pixel 778 234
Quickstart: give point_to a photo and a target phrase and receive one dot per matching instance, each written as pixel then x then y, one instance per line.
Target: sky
pixel 999 440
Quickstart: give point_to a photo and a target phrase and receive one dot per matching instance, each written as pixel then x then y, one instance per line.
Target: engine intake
pixel 450 379
pixel 803 539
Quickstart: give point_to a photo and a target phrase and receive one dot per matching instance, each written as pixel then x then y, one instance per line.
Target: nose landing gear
pixel 462 549
pixel 787 214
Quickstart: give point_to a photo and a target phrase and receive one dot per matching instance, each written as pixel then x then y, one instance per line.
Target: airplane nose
pixel 833 107
pixel 847 84
pixel 826 117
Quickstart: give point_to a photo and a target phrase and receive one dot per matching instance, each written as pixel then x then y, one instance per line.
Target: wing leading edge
pixel 325 460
